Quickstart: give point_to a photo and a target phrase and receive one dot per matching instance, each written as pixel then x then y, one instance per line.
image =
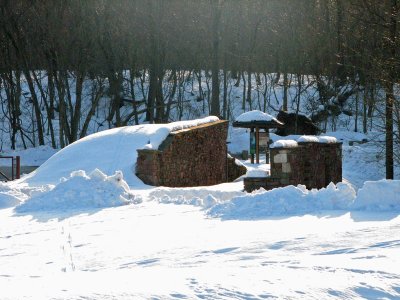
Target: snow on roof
pixel 284 144
pixel 109 151
pixel 255 115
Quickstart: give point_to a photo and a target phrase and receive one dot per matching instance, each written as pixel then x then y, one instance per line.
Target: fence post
pixel 18 167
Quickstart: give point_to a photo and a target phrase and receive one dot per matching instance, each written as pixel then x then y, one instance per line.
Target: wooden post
pixel 267 148
pixel 258 144
pixel 252 154
pixel 18 167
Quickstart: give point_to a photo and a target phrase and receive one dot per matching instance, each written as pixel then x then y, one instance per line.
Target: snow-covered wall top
pixel 175 126
pixel 308 139
pixel 284 144
pixel 255 115
pixel 304 139
pixel 327 140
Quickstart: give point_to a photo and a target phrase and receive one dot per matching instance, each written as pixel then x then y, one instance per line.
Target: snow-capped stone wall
pixel 190 157
pixel 313 164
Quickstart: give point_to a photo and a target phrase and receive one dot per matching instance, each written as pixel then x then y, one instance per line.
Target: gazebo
pixel 257 120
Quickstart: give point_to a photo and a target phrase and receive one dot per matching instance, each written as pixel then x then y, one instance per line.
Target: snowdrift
pixel 82 191
pixel 110 151
pixel 382 195
pixel 288 200
pixel 9 196
pixel 376 196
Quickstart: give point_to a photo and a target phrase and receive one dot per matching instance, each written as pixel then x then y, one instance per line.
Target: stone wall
pixel 314 165
pixel 191 157
pixel 234 170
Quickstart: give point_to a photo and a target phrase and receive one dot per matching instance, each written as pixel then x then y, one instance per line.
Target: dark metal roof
pixel 262 124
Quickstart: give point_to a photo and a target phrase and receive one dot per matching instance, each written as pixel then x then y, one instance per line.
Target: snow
pixel 316 139
pixel 284 144
pixel 288 200
pixel 82 191
pixel 348 136
pixel 382 195
pixel 291 141
pixel 308 139
pixel 84 227
pixel 327 140
pixel 255 115
pixel 164 251
pixel 110 151
pixel 257 170
pixel 10 196
pixel 29 157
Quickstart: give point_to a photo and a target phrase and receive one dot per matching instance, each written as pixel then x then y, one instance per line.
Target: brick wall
pixel 190 157
pixel 314 165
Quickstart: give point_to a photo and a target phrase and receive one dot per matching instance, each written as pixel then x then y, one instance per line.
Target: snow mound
pixel 8 200
pixel 110 150
pixel 10 196
pixel 204 197
pixel 288 200
pixel 255 115
pixel 382 195
pixel 284 144
pixel 82 191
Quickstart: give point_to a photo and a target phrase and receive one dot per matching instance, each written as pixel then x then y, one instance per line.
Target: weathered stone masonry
pixel 314 165
pixel 191 157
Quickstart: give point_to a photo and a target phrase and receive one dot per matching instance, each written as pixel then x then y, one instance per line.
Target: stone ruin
pixel 196 156
pixel 313 162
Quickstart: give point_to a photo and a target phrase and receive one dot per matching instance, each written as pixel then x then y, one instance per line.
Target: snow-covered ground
pixel 166 251
pixel 102 234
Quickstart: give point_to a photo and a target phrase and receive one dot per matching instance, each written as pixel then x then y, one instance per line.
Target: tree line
pixel 60 49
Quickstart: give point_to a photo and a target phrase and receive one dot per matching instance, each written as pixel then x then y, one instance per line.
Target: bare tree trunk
pixel 49 119
pixel 249 100
pixel 298 102
pixel 77 110
pixel 36 106
pixel 171 97
pixel 159 98
pixel 390 90
pixel 96 95
pixel 244 93
pixel 225 102
pixel 215 106
pixel 356 112
pixel 151 97
pixel 133 96
pixel 285 92
pixel 389 131
pixel 365 101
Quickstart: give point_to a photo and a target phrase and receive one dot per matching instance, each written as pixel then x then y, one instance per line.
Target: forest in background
pixel 63 60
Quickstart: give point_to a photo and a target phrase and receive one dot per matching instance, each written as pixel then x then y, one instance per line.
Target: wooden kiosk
pixel 257 120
